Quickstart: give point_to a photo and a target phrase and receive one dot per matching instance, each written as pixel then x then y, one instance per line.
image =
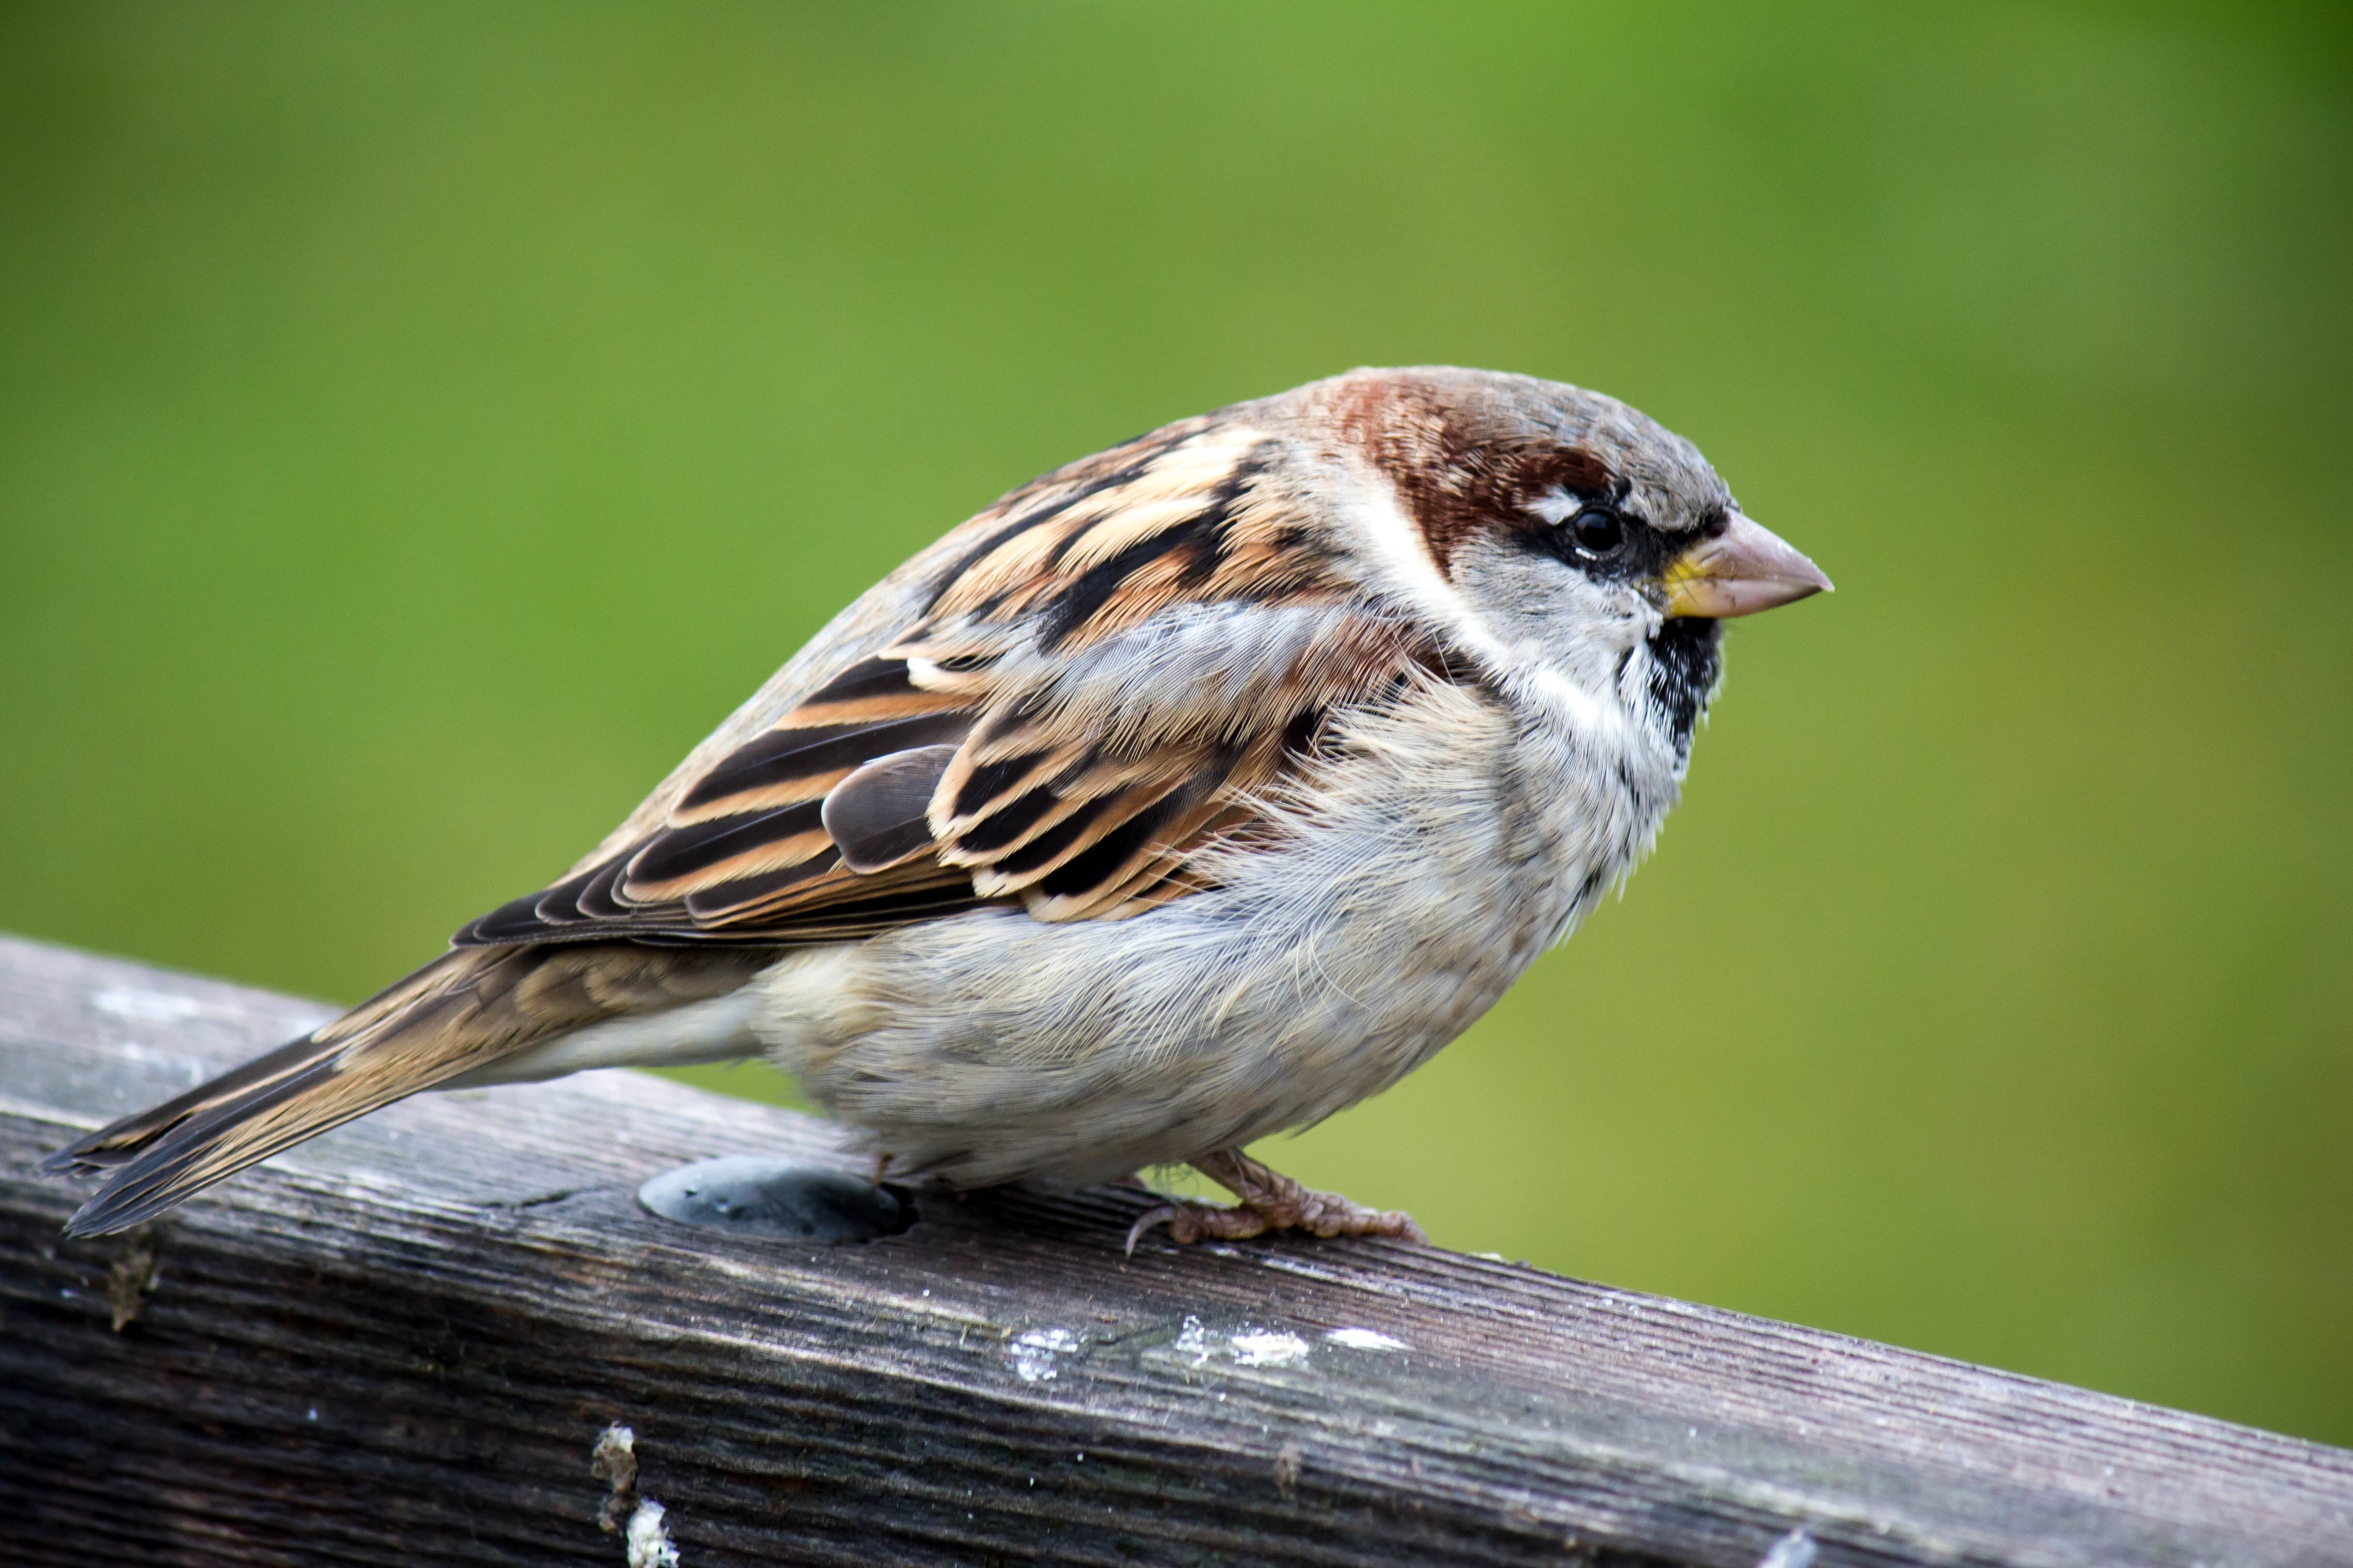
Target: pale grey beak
pixel 1745 569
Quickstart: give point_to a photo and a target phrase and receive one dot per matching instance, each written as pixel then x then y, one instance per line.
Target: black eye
pixel 1597 531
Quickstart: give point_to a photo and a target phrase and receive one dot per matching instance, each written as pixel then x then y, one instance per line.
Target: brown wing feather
pixel 1072 772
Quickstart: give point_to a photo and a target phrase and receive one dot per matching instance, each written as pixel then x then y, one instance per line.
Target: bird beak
pixel 1745 569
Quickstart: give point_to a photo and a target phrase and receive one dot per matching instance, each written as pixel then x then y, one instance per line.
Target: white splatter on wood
pixel 1035 1352
pixel 153 1006
pixel 1267 1347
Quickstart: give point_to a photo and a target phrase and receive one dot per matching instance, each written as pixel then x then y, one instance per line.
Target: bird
pixel 1192 792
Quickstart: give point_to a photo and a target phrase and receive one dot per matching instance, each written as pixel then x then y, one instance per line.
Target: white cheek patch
pixel 1400 556
pixel 1586 714
pixel 1394 547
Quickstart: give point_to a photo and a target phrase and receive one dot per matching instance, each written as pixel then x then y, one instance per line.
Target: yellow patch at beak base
pixel 1745 569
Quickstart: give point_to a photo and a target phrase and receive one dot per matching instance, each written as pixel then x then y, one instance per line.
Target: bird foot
pixel 1269 1200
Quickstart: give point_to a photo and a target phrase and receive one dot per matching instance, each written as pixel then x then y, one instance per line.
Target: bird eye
pixel 1597 531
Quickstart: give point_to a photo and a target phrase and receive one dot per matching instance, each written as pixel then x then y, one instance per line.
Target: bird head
pixel 1560 535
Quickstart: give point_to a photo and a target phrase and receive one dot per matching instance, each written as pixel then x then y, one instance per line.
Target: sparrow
pixel 1191 792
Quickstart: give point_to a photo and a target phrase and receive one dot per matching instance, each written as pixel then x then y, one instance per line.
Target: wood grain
pixel 400 1343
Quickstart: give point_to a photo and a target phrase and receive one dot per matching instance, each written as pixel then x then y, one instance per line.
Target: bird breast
pixel 1373 916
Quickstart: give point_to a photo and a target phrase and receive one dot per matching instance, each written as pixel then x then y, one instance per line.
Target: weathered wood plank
pixel 400 1343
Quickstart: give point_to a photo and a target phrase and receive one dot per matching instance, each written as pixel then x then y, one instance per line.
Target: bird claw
pixel 1188 1223
pixel 1270 1201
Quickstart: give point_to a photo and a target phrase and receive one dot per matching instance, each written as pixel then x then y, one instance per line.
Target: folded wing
pixel 1126 656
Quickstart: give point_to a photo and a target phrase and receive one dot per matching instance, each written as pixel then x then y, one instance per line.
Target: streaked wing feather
pixel 1098 686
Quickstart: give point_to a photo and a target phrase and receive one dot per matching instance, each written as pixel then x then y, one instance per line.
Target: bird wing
pixel 1117 661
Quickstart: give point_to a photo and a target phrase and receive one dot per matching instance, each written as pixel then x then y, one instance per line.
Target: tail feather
pixel 195 1150
pixel 467 1009
pixel 125 1139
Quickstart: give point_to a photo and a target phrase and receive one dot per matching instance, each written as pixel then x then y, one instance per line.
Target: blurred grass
pixel 418 425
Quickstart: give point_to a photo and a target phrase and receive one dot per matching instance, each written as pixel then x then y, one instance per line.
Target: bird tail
pixel 464 1011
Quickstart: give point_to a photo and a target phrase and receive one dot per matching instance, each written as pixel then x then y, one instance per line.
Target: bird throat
pixel 1686 662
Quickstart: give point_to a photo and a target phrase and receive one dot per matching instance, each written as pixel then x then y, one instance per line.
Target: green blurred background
pixel 418 426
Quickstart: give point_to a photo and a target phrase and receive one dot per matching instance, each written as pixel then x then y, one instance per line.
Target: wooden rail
pixel 449 1334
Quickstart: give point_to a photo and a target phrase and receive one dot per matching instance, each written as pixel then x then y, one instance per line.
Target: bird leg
pixel 1269 1200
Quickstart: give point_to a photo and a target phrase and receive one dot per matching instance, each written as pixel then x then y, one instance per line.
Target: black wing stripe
pixel 699 847
pixel 1076 605
pixel 1055 840
pixel 1047 512
pixel 710 904
pixel 1001 828
pixel 764 760
pixel 1203 537
pixel 596 902
pixel 562 902
pixel 1097 864
pixel 782 757
pixel 986 782
pixel 868 677
pixel 517 920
